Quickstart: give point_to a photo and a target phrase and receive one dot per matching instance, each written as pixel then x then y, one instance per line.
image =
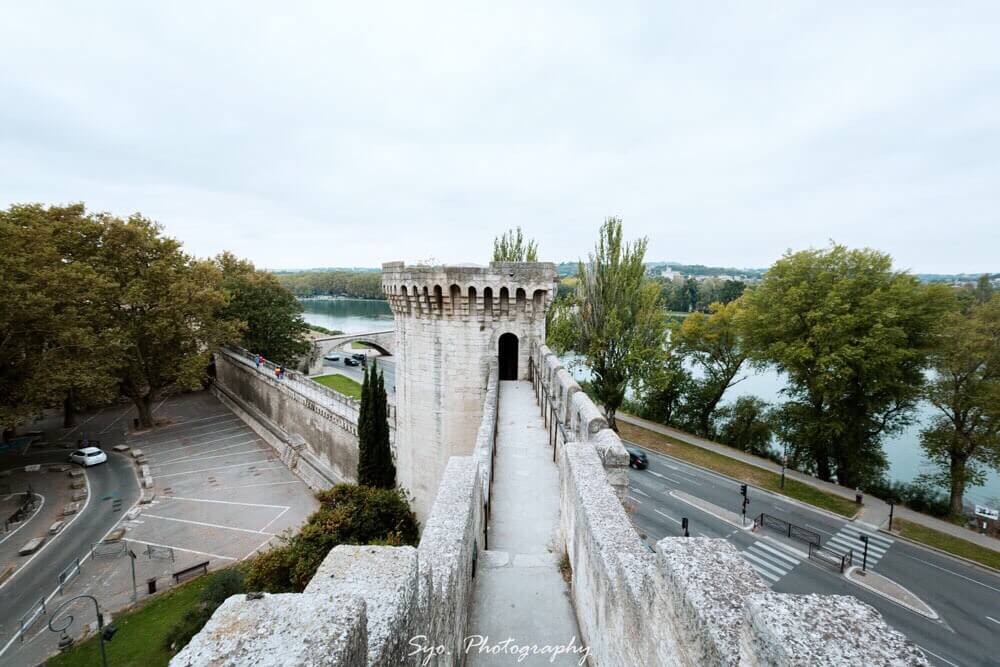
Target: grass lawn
pixel 356 345
pixel 342 384
pixel 141 632
pixel 752 475
pixel 946 542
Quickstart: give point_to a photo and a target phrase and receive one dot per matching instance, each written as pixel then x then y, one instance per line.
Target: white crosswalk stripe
pixel 771 563
pixel 849 537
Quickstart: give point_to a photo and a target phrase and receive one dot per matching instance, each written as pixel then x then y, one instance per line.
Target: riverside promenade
pixel 521 600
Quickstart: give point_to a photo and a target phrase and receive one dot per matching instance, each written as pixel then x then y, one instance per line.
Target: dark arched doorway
pixel 508 356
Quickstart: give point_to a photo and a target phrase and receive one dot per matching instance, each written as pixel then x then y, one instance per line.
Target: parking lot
pixel 220 491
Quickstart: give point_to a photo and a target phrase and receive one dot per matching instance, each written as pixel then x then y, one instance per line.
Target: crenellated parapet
pixel 503 290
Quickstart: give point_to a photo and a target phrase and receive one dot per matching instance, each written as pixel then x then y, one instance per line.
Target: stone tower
pixel 450 321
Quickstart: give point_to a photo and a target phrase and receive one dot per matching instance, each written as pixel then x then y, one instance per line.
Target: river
pixel 906 459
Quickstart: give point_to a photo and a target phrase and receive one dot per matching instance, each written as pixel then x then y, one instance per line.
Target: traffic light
pixel 743 490
pixel 109 633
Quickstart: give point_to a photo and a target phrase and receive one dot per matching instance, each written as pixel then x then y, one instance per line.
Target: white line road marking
pixel 252 486
pixel 281 514
pixel 228 502
pixel 634 499
pixel 205 524
pixel 994 620
pixel 191 551
pixel 667 516
pixel 975 581
pixel 639 491
pixel 212 450
pixel 255 450
pixel 937 656
pixel 780 554
pixel 764 563
pixel 235 465
pixel 675 481
pixel 200 419
pixel 258 548
pixel 80 425
pixel 238 427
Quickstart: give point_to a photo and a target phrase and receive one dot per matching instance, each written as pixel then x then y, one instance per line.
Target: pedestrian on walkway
pixel 258 361
pixel 277 372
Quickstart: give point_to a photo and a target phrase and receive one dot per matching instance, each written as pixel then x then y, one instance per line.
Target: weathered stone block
pixel 286 629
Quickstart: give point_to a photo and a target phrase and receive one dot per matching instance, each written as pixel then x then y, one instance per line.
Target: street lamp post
pixel 65 641
pixel 135 594
pixel 892 506
pixel 864 559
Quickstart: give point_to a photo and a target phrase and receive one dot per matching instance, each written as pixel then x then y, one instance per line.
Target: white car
pixel 88 456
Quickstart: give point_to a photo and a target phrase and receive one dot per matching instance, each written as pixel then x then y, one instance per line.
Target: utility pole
pixel 784 462
pixel 892 506
pixel 864 560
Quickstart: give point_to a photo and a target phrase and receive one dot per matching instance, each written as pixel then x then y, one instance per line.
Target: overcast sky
pixel 305 135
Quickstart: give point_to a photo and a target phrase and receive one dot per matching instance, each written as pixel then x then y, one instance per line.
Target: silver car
pixel 88 456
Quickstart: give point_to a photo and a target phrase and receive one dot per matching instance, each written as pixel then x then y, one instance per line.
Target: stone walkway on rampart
pixel 521 600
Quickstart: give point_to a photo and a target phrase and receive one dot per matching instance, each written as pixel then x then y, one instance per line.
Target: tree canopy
pixel 963 440
pixel 269 316
pixel 614 319
pixel 852 337
pixel 512 247
pixel 375 466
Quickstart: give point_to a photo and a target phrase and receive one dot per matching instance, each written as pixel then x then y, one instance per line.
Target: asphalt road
pixel 40 577
pixel 386 365
pixel 966 598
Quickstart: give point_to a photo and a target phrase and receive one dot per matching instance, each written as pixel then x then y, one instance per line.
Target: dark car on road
pixel 359 356
pixel 349 361
pixel 637 459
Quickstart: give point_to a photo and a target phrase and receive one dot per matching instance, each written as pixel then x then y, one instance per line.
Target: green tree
pixel 512 247
pixel 984 289
pixel 852 337
pixel 270 316
pixel 712 342
pixel 375 466
pixel 746 425
pixel 56 344
pixel 664 390
pixel 615 319
pixel 163 308
pixel 963 441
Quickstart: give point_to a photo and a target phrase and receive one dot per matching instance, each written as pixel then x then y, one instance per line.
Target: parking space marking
pixel 257 548
pixel 281 514
pixel 190 551
pixel 188 459
pixel 213 450
pixel 229 502
pixel 206 525
pixel 238 427
pixel 235 465
pixel 228 415
pixel 251 486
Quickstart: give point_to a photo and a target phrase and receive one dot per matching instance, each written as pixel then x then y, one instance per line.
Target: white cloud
pixel 352 135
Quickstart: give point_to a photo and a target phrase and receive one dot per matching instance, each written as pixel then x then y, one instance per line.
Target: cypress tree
pixel 366 432
pixel 375 466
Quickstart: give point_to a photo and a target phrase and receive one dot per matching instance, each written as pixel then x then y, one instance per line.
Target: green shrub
pixel 221 585
pixel 348 514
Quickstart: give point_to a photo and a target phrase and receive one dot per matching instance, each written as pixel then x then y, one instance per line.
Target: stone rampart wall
pixel 313 429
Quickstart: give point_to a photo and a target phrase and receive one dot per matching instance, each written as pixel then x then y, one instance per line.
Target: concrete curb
pixel 933 615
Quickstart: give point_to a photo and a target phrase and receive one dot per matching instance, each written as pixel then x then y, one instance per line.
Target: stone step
pixel 70 508
pixel 56 527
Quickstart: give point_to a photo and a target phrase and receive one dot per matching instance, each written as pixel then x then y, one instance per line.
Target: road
pixel 966 598
pixel 40 577
pixel 386 364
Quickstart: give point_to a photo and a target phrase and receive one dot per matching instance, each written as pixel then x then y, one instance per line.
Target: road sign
pixel 987 512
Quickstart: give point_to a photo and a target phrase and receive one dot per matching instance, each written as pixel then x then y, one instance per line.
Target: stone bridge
pixel 383 342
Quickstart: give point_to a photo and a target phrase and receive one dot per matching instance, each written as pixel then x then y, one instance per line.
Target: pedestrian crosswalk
pixel 770 562
pixel 849 537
